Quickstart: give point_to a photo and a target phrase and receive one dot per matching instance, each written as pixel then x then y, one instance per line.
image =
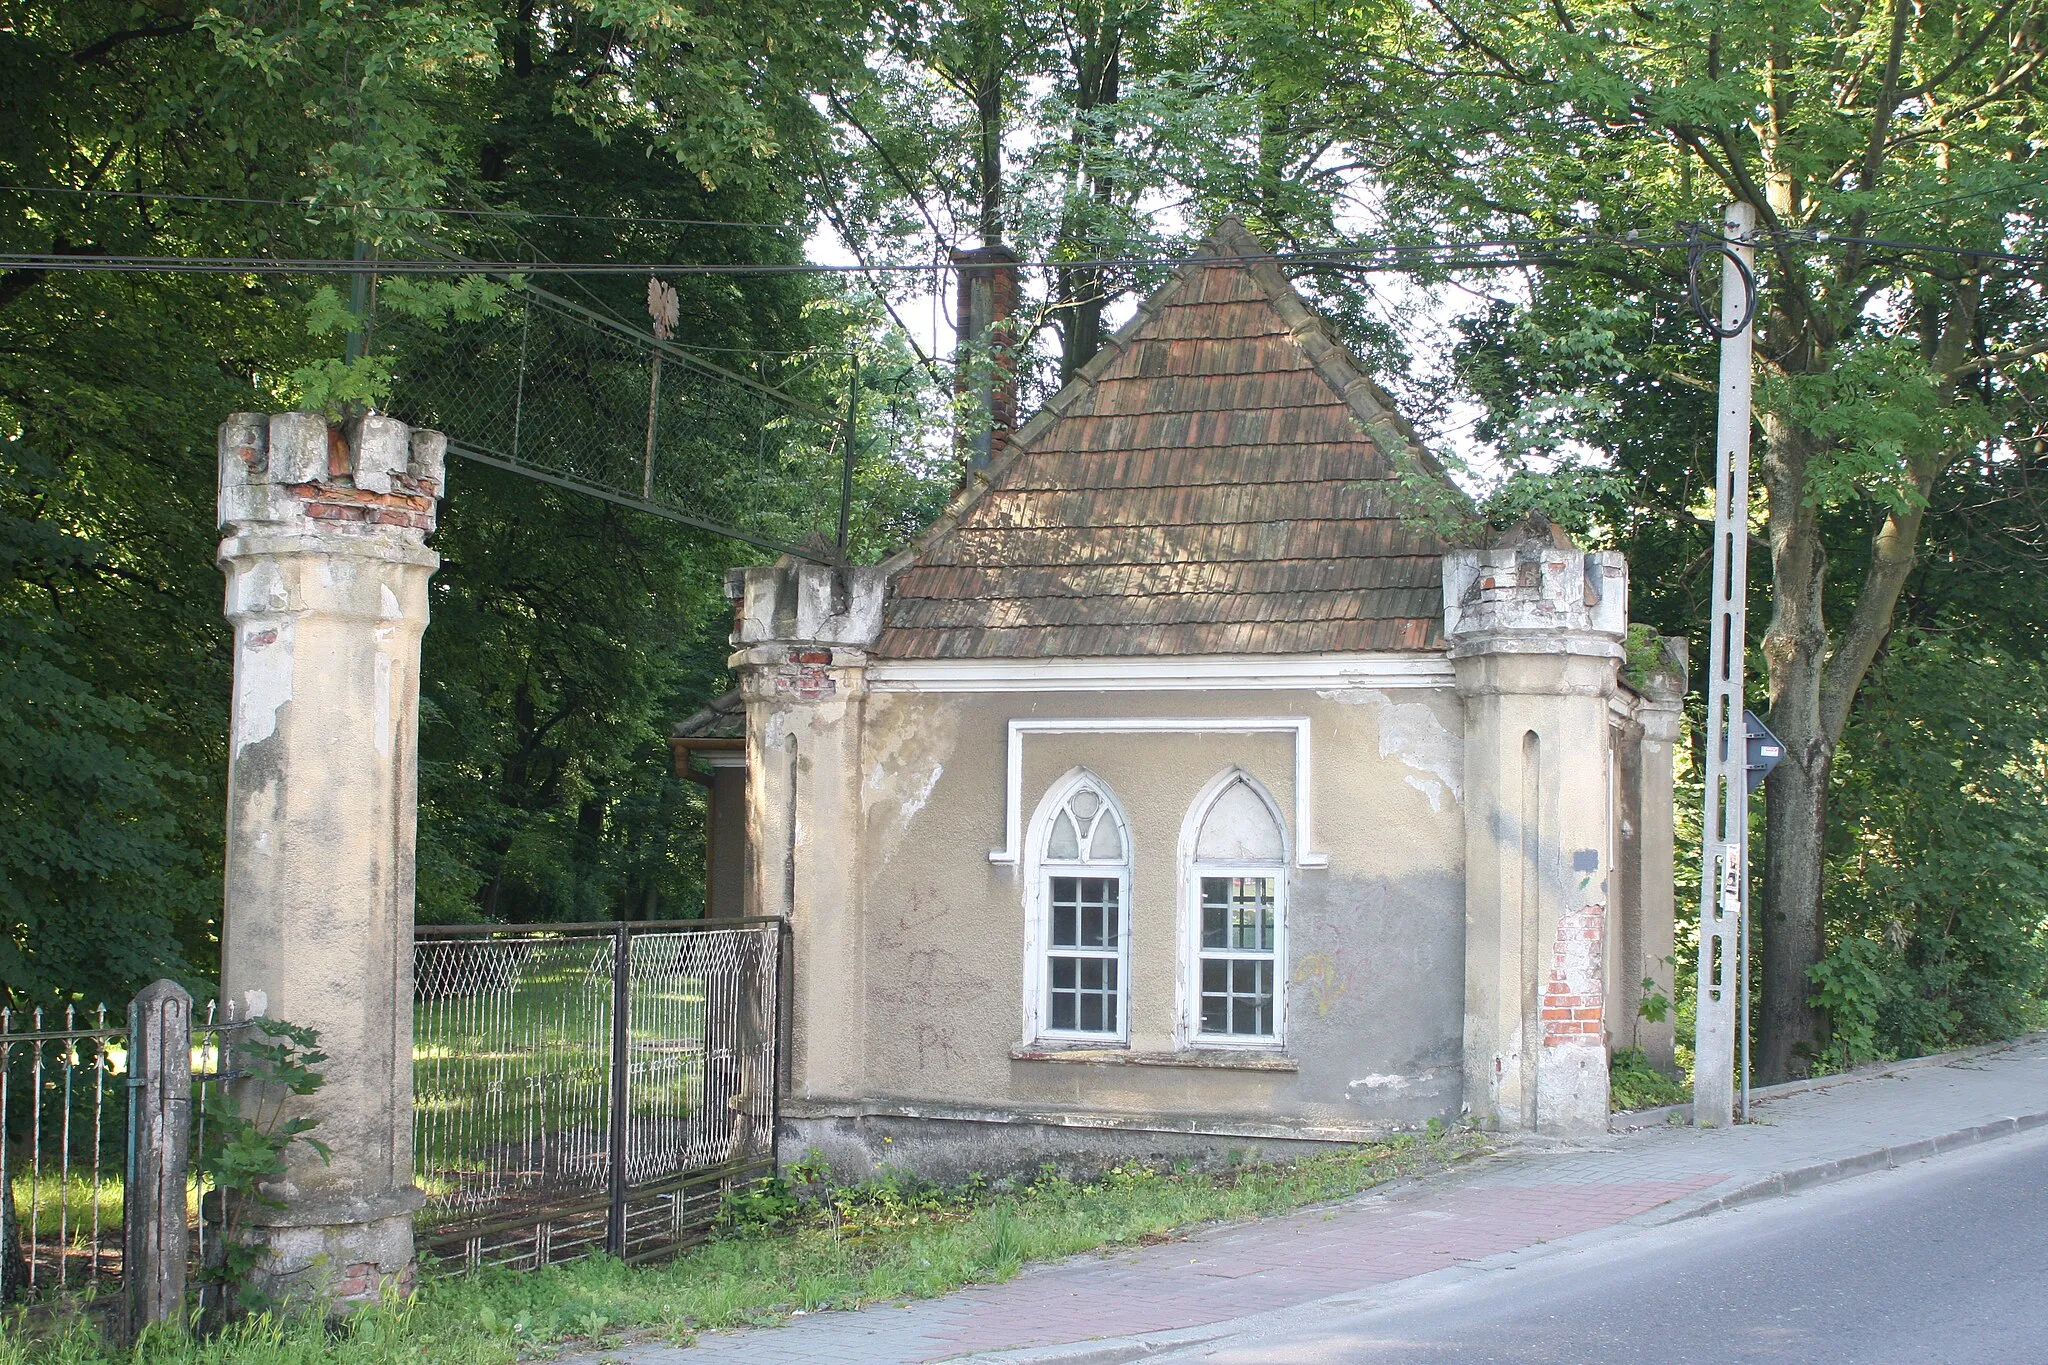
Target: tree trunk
pixel 13 1265
pixel 1081 318
pixel 1795 645
pixel 1789 921
pixel 1098 71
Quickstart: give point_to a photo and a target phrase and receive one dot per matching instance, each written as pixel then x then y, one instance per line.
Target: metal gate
pixel 589 1087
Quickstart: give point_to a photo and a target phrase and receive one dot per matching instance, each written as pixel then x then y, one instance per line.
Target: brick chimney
pixel 985 370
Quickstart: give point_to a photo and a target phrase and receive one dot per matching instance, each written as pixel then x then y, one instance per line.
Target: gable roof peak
pixel 1231 238
pixel 1221 477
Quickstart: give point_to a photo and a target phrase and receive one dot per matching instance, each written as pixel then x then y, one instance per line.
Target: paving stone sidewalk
pixel 1525 1196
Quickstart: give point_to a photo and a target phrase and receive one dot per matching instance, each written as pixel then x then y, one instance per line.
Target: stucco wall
pixel 1375 945
pixel 725 843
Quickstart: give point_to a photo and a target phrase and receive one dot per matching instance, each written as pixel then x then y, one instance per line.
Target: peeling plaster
pixel 1412 732
pixel 1433 790
pixel 388 603
pixel 912 805
pixel 897 782
pixel 1379 1082
pixel 264 676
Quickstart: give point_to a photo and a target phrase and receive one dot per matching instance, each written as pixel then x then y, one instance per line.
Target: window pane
pixel 1085 996
pixel 1107 845
pixel 1066 840
pixel 1065 933
pixel 1215 912
pixel 1237 997
pixel 1096 898
pixel 1084 804
pixel 1091 1013
pixel 1251 914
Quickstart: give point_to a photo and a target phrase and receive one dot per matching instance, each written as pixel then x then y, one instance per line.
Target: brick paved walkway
pixel 1502 1204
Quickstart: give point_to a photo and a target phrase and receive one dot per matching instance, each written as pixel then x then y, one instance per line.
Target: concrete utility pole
pixel 1724 875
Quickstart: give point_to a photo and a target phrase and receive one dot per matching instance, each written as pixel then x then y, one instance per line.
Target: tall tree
pixel 1884 370
pixel 567 635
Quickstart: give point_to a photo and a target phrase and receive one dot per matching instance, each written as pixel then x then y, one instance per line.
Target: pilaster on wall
pixel 1651 810
pixel 327 567
pixel 1535 627
pixel 803 632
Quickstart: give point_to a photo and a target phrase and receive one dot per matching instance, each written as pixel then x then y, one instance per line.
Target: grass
pixel 1632 1083
pixel 66 1204
pixel 786 1248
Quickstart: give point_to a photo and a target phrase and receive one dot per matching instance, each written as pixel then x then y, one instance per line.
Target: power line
pixel 1822 237
pixel 1498 254
pixel 441 210
pixel 1450 254
pixel 606 493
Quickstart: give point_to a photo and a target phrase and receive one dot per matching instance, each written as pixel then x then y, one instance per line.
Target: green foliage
pixel 1632 1083
pixel 1644 654
pixel 1655 1006
pixel 339 387
pixel 90 847
pixel 248 1136
pixel 567 636
pixel 1852 983
pixel 1938 853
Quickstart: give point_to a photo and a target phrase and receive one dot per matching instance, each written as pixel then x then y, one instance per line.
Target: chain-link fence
pixel 582 1088
pixel 548 390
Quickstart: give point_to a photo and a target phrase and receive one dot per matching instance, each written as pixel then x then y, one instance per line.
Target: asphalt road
pixel 1943 1260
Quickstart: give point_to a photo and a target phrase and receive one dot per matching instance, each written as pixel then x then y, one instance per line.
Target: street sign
pixel 1762 749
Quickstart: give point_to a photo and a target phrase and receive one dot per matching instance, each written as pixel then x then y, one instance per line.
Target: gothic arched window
pixel 1083 880
pixel 1236 924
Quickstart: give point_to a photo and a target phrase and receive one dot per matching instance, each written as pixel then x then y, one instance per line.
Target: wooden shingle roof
pixel 1211 483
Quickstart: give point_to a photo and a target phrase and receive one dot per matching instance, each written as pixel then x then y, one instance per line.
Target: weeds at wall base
pixel 825 1246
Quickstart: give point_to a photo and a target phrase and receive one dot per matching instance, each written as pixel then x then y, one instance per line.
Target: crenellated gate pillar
pixel 327 567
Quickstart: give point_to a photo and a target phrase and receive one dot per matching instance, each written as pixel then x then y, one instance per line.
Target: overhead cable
pixel 1395 256
pixel 439 210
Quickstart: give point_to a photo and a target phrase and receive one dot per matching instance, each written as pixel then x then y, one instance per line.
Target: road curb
pixel 1842 1168
pixel 1102 1351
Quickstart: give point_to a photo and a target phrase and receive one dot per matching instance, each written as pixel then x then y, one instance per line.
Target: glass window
pixel 1086 875
pixel 1237 934
pixel 1239 919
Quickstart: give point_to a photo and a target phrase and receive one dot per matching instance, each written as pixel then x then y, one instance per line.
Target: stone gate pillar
pixel 325 554
pixel 803 632
pixel 1535 627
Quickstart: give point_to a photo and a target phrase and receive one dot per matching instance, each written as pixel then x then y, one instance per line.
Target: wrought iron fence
pixel 591 1087
pixel 63 1109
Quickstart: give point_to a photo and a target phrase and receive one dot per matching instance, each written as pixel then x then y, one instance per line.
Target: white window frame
pixel 1192 871
pixel 1040 869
